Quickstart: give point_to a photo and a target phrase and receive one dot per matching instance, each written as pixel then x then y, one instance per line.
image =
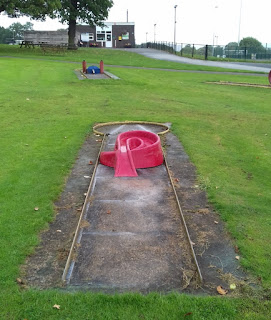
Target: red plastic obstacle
pixel 133 149
pixel 84 66
pixel 102 66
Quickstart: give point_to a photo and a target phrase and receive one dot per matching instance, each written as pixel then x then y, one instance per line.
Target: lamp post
pixel 240 16
pixel 175 27
pixel 154 32
pixel 214 36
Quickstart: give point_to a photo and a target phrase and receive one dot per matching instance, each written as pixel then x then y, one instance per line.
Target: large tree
pixel 252 43
pixel 92 12
pixel 231 45
pixel 14 31
pixel 37 9
pixel 6 35
pixel 18 29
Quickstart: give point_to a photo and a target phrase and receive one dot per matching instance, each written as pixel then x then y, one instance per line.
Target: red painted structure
pixel 102 66
pixel 84 66
pixel 133 150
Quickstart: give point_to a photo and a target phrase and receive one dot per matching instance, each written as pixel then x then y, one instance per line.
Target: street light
pixel 175 27
pixel 214 36
pixel 240 16
pixel 154 32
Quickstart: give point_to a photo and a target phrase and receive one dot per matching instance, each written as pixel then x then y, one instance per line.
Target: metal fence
pixel 205 51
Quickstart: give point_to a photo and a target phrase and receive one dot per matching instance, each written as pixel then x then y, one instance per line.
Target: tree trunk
pixel 71 34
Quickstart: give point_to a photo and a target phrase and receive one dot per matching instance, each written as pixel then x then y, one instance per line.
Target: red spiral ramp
pixel 133 150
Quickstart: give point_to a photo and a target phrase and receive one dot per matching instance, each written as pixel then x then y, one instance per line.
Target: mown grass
pixel 110 57
pixel 45 114
pixel 86 306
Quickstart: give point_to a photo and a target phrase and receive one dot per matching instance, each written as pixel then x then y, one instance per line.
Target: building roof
pixel 83 28
pixel 119 23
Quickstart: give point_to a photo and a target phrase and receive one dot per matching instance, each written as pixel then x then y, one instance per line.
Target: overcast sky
pixel 198 21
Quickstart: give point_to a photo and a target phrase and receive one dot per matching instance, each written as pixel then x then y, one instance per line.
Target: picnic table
pixel 45 46
pixel 27 44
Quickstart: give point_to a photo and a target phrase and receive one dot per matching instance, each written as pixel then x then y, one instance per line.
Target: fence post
pixel 206 52
pixel 181 49
pixel 245 53
pixel 193 49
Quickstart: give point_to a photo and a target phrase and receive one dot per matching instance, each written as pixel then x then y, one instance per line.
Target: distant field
pixel 45 114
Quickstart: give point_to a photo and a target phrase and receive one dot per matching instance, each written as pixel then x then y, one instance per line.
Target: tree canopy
pixel 14 32
pixel 231 45
pixel 18 29
pixel 5 35
pixel 250 42
pixel 37 9
pixel 187 49
pixel 92 12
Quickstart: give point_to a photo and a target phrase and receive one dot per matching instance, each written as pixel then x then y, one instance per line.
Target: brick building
pixel 112 35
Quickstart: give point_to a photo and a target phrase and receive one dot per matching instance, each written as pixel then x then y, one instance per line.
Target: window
pixel 108 37
pixel 91 36
pixel 85 37
pixel 100 37
pixel 125 36
pixel 103 34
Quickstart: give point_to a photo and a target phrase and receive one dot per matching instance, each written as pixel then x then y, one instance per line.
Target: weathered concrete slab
pixel 95 76
pixel 132 237
pixel 129 260
pixel 124 216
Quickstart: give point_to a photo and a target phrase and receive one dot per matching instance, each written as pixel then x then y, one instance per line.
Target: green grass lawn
pixel 110 57
pixel 45 114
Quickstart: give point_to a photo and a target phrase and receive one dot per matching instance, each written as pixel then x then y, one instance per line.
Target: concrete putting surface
pixel 131 237
pixel 95 76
